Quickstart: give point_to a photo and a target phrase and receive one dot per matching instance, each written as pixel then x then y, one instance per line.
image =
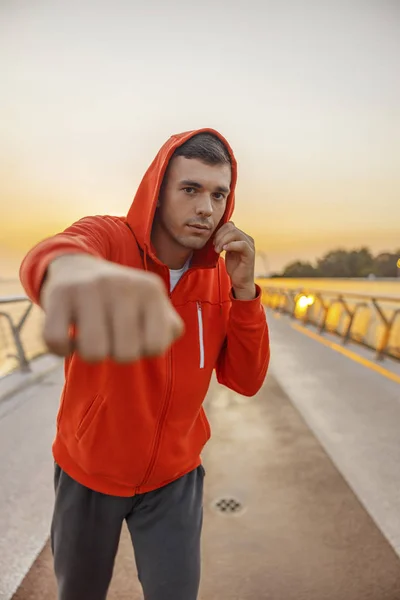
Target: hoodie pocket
pixel 61 408
pixel 201 333
pixel 89 416
pixel 206 424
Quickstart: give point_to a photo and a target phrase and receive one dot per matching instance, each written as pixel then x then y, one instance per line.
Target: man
pixel 144 308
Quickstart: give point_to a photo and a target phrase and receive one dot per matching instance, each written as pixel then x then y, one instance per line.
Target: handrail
pixel 285 300
pixel 318 306
pixel 8 299
pixel 17 327
pixel 20 330
pixel 303 290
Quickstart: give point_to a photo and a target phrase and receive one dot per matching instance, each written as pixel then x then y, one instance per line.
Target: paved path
pixel 353 411
pixel 310 459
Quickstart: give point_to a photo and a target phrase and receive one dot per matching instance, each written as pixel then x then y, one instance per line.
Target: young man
pixel 143 308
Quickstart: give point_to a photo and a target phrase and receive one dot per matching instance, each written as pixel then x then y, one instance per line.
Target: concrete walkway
pixel 300 532
pixel 353 411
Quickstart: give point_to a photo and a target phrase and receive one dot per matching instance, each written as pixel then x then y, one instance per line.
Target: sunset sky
pixel 307 93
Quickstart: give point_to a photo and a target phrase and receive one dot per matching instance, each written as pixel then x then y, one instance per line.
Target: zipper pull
pixel 201 333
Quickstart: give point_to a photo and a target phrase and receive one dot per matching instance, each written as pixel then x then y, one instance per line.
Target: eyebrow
pixel 198 186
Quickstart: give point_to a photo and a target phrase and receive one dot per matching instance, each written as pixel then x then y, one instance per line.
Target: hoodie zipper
pixel 167 399
pixel 161 420
pixel 201 333
pixel 160 423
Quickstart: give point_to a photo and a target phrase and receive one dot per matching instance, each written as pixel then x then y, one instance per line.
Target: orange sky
pixel 308 94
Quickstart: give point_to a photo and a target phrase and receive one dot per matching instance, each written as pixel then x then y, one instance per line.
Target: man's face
pixel 193 201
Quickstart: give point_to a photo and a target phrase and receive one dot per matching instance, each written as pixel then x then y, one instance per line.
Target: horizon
pixel 13 276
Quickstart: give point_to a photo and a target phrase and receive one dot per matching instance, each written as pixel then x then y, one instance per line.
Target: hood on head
pixel 141 214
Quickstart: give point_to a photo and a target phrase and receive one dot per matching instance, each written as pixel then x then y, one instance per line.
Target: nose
pixel 204 206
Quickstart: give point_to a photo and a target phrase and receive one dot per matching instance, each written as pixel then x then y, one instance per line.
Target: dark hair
pixel 206 147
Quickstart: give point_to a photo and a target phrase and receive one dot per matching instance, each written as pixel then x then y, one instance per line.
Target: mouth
pixel 200 228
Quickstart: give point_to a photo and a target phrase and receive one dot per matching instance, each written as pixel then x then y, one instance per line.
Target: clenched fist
pixel 120 313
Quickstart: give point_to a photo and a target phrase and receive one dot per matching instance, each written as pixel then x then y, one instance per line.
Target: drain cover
pixel 228 506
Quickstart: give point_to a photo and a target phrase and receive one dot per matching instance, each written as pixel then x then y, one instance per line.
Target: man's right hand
pixel 120 313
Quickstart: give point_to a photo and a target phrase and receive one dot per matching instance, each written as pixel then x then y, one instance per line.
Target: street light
pixel 305 301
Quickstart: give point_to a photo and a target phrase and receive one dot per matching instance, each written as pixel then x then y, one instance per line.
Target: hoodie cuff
pixel 246 310
pixel 35 278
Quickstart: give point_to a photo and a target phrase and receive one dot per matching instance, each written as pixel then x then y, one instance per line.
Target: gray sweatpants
pixel 165 527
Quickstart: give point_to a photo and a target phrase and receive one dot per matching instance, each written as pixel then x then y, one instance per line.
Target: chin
pixel 196 244
pixel 193 243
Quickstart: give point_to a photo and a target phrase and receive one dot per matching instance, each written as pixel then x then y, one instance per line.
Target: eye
pixel 218 196
pixel 189 190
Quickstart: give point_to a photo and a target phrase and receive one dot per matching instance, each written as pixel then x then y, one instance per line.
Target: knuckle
pixel 55 296
pixel 156 349
pixel 54 344
pixel 126 346
pixel 54 340
pixel 178 326
pixel 85 290
pixel 92 355
pixel 91 358
pixel 126 357
pixel 103 283
pixel 51 340
pixel 92 349
pixel 156 344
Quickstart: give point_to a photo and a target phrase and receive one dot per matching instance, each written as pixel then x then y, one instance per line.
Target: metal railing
pixel 372 321
pixel 20 333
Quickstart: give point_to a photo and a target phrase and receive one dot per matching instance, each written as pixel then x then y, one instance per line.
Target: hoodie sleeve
pixel 90 235
pixel 243 362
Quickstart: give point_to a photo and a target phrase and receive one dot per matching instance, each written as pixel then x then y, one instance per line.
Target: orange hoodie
pixel 131 428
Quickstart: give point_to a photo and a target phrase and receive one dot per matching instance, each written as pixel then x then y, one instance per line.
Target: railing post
pixel 351 315
pixel 289 296
pixel 293 299
pixel 15 330
pixel 380 351
pixel 325 308
pixel 22 359
pixel 305 317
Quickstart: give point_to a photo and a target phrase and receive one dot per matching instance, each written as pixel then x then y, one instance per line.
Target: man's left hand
pixel 239 259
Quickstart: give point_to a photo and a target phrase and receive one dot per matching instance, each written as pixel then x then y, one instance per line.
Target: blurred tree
pixel 346 263
pixel 300 269
pixel 343 263
pixel 385 264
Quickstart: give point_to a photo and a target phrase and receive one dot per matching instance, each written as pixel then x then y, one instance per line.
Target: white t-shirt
pixel 176 274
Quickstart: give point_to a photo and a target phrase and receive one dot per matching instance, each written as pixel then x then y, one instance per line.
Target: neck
pixel 167 250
